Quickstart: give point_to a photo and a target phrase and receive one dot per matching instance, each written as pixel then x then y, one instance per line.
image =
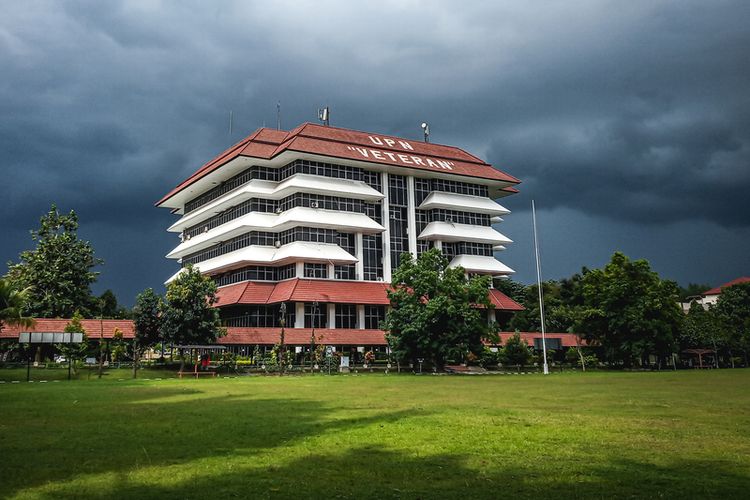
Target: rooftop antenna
pixel 324 116
pixel 231 116
pixel 278 115
pixel 539 285
pixel 426 129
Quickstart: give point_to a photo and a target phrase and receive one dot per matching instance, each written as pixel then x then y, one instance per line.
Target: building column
pixel 300 269
pixel 387 232
pixel 360 273
pixel 439 245
pixel 411 216
pixel 361 316
pixel 331 271
pixel 490 315
pixel 299 315
pixel 331 315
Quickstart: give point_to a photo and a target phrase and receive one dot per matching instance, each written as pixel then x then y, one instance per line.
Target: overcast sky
pixel 628 122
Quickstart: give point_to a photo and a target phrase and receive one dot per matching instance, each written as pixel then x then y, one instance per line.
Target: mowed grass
pixel 594 435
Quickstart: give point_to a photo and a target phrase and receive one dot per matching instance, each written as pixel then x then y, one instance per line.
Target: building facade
pixel 317 219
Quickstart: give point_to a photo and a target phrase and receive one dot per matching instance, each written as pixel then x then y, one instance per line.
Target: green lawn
pixel 599 435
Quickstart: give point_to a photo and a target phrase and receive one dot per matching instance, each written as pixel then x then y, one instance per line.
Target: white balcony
pixel 298 251
pixel 480 264
pixel 463 203
pixel 298 183
pixel 450 232
pixel 260 221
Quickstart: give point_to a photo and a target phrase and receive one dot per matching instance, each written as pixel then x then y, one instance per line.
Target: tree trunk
pixel 135 359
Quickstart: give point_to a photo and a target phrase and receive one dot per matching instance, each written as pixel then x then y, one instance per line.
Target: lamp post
pixel 282 320
pixel 312 332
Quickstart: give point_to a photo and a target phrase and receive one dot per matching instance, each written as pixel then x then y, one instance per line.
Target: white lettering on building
pixel 384 141
pixel 401 158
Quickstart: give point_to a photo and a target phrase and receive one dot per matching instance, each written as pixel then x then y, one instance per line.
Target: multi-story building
pixel 318 218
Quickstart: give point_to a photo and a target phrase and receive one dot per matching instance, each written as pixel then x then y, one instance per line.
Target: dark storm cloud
pixel 636 113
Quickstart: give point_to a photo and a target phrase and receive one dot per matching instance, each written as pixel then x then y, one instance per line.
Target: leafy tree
pixel 188 315
pixel 629 311
pixel 513 289
pixel 435 311
pixel 516 351
pixel 108 307
pixel 147 323
pixel 12 304
pixel 702 329
pixel 58 271
pixel 72 351
pixel 733 310
pixel 558 317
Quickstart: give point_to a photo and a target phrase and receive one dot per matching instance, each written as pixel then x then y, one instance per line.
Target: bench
pixel 195 374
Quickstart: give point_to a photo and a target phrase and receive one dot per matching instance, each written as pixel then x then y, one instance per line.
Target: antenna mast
pixel 324 116
pixel 539 285
pixel 278 115
pixel 231 116
pixel 426 130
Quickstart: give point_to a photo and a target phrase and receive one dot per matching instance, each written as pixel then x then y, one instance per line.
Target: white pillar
pixel 411 216
pixel 490 315
pixel 439 245
pixel 361 316
pixel 300 269
pixel 299 315
pixel 331 315
pixel 360 274
pixel 331 271
pixel 387 232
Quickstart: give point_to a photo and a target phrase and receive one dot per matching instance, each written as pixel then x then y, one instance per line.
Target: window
pixel 373 316
pixel 316 270
pixel 346 316
pixel 348 272
pixel 315 315
pixel 372 256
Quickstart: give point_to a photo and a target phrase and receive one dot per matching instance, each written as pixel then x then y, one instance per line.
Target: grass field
pixel 613 435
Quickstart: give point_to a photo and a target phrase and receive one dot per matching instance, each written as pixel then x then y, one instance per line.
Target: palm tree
pixel 12 302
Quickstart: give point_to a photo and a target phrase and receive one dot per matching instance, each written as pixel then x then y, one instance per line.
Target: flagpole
pixel 539 286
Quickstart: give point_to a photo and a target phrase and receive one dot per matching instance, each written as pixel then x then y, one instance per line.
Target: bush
pixel 489 359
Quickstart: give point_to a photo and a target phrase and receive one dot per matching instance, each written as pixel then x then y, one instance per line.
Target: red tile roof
pixel 331 291
pixel 92 327
pixel 717 290
pixel 304 290
pixel 301 336
pixel 354 145
pixel 502 302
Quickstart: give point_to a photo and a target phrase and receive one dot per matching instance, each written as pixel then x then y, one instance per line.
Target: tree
pixel 437 313
pixel 58 272
pixel 516 351
pixel 629 311
pixel 733 310
pixel 188 315
pixel 12 303
pixel 108 307
pixel 147 323
pixel 74 351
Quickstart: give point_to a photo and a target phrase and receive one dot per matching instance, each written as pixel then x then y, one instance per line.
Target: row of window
pixel 423 187
pixel 397 189
pixel 263 238
pixel 465 248
pixel 296 200
pixel 256 273
pixel 264 173
pixel 316 316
